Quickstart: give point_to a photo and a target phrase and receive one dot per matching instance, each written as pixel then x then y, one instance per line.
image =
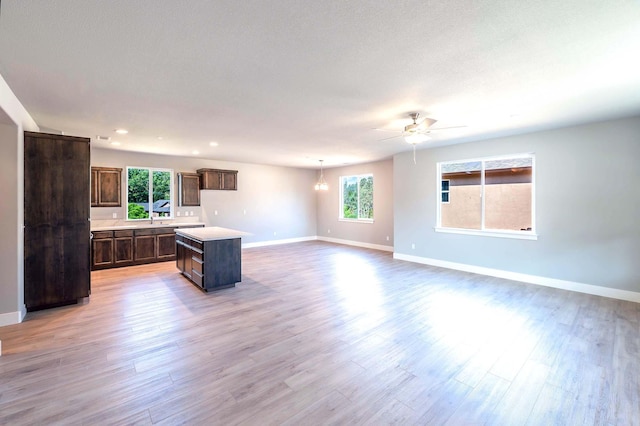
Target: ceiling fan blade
pixel 430 129
pixel 426 123
pixel 385 130
pixel 392 137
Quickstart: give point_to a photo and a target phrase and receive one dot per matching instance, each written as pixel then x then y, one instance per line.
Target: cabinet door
pixel 189 190
pixel 209 179
pixel 145 248
pixel 123 250
pixel 180 257
pixel 102 252
pixel 105 187
pixel 166 246
pixel 94 187
pixel 56 236
pixel 228 180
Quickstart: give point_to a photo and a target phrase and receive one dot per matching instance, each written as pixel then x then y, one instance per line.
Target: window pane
pixel 138 193
pixel 161 194
pixel 366 198
pixel 464 207
pixel 350 197
pixel 445 185
pixel 508 194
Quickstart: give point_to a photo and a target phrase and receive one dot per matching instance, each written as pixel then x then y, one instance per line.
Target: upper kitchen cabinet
pixel 56 220
pixel 106 187
pixel 188 189
pixel 218 179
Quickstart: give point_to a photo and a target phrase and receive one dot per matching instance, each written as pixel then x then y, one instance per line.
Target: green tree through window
pixel 139 187
pixel 357 197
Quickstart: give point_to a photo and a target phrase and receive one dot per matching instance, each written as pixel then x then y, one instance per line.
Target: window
pixel 149 193
pixel 445 191
pixel 487 195
pixel 356 197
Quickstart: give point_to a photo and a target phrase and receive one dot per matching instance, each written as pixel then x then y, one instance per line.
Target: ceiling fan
pixel 418 131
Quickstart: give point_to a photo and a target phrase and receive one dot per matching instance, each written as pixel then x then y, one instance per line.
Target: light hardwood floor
pixel 319 333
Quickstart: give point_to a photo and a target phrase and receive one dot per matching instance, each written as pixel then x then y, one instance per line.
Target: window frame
pixel 487 232
pixel 150 188
pixel 341 200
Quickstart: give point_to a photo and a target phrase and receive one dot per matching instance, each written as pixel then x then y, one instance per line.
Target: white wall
pixel 14 119
pixel 272 203
pixel 366 234
pixel 587 207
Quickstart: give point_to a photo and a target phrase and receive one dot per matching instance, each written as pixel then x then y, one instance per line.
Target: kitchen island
pixel 209 257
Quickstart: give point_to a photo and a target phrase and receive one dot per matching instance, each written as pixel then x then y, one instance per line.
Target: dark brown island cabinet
pixel 210 264
pixel 56 220
pixel 106 187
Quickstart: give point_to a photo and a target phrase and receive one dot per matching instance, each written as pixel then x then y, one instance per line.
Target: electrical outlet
pixel 387 238
pixel 244 211
pixel 115 215
pixel 191 213
pixel 215 212
pixel 178 214
pixel 274 233
pixel 413 246
pixel 328 231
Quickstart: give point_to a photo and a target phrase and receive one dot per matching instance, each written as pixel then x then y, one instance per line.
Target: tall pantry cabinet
pixel 56 219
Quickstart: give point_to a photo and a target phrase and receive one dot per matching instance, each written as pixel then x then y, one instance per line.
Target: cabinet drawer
pixel 196 264
pixel 118 234
pixel 102 234
pixel 197 256
pixel 196 277
pixel 196 244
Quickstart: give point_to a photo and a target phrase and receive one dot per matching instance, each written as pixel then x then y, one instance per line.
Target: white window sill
pixel 356 220
pixel 519 235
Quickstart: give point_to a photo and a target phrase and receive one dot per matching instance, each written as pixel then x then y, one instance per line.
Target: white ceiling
pixel 289 82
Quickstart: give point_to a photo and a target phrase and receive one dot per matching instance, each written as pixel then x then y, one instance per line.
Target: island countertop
pixel 211 233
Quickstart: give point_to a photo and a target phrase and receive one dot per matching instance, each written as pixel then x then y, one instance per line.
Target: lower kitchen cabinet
pixel 166 246
pixel 123 248
pixel 112 249
pixel 145 248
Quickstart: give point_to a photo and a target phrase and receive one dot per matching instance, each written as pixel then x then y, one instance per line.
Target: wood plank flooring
pixel 319 333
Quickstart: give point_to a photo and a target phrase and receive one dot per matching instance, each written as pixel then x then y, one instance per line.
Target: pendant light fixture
pixel 321 185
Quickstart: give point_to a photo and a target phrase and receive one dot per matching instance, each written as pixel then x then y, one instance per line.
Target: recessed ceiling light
pixel 195 152
pixel 122 131
pixel 116 143
pixel 160 138
pixel 213 143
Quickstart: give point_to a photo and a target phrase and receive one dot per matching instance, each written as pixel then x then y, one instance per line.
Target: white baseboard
pixel 11 318
pixel 613 293
pixel 356 243
pixel 276 242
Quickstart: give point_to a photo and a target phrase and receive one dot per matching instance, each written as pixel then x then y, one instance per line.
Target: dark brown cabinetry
pixel 188 189
pixel 154 245
pixel 218 179
pixel 56 220
pixel 105 187
pixel 210 265
pixel 122 248
pixel 111 248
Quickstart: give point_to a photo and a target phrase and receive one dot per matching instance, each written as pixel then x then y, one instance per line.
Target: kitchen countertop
pixel 147 225
pixel 211 233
